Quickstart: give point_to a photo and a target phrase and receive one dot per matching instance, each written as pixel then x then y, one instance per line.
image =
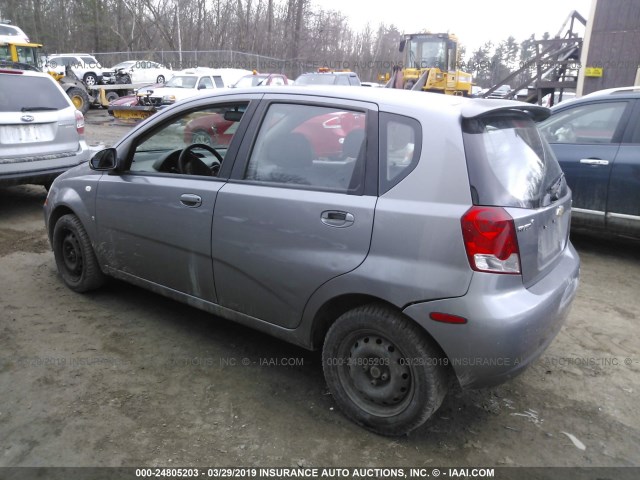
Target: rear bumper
pixel 40 172
pixel 509 326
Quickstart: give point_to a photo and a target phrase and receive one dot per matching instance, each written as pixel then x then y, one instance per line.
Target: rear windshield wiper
pixel 37 109
pixel 555 186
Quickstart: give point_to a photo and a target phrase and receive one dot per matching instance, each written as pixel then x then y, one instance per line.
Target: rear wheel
pixel 383 371
pixel 75 258
pixel 79 98
pixel 160 79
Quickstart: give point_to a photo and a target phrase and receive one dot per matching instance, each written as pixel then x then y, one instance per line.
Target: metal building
pixel 611 49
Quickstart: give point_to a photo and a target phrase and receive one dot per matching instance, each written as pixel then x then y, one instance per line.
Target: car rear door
pixel 585 138
pixel 289 220
pixel 623 201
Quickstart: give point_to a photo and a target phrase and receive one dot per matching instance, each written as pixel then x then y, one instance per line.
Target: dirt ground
pixel 124 377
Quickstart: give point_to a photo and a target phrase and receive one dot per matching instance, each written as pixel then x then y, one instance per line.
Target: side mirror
pixel 402 44
pixel 104 160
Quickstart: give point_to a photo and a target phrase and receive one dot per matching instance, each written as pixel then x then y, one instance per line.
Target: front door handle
pixel 594 161
pixel 190 200
pixel 337 218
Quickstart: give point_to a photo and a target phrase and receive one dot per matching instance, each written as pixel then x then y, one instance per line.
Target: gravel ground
pixel 123 377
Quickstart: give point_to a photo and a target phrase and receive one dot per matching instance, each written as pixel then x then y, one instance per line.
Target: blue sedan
pixel 597 141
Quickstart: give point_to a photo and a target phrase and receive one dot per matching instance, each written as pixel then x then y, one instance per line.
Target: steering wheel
pixel 190 164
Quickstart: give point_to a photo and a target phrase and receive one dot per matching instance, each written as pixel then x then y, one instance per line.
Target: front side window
pixel 205 82
pixel 194 143
pixel 310 146
pixel 592 123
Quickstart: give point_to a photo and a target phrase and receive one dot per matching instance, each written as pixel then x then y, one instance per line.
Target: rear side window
pixel 510 164
pixel 43 94
pixel 400 142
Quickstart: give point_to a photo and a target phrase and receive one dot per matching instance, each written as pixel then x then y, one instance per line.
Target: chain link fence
pixel 179 60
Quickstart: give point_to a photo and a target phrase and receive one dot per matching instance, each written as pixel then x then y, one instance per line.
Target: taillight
pixel 79 122
pixel 490 240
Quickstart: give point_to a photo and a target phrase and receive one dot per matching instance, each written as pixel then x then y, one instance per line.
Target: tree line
pixel 295 35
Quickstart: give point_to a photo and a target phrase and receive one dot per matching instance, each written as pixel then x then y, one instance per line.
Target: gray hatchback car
pixel 41 132
pixel 415 238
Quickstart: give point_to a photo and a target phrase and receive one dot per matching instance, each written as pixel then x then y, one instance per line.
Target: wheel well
pixel 55 216
pixel 331 311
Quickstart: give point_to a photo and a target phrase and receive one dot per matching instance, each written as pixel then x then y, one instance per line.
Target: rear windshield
pixel 43 94
pixel 510 164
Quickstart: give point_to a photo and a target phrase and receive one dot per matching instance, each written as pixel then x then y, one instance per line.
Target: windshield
pixel 182 82
pixel 426 52
pixel 316 79
pixel 127 64
pixel 250 81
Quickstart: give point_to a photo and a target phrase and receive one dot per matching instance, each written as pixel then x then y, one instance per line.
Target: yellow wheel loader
pixel 430 64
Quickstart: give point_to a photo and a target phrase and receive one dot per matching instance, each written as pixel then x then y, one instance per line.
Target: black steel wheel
pixel 75 258
pixel 383 370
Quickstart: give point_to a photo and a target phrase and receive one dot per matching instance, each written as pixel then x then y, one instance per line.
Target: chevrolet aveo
pixel 433 246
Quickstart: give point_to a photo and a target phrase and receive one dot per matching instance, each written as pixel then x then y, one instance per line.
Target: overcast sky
pixel 473 21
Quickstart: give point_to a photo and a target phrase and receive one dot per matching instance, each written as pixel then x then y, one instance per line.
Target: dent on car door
pixel 154 219
pixel 298 210
pixel 623 204
pixel 585 138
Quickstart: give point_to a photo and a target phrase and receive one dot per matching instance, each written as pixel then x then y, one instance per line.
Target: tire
pixel 79 98
pixel 111 96
pixel 383 371
pixel 160 79
pixel 90 79
pixel 75 258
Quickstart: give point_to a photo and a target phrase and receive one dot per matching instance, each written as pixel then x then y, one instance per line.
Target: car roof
pixel 625 92
pixel 397 99
pixel 27 73
pixel 71 55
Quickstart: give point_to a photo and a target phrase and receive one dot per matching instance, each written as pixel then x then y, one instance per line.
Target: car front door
pixel 585 138
pixel 290 219
pixel 154 219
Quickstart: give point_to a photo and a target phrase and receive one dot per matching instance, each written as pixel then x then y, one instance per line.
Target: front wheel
pixel 79 98
pixel 75 258
pixel 383 371
pixel 90 79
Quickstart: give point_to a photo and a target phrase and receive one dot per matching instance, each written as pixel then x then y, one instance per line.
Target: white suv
pixel 11 33
pixel 85 66
pixel 41 134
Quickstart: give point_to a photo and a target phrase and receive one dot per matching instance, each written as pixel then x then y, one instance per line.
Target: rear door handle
pixel 594 161
pixel 337 218
pixel 190 200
